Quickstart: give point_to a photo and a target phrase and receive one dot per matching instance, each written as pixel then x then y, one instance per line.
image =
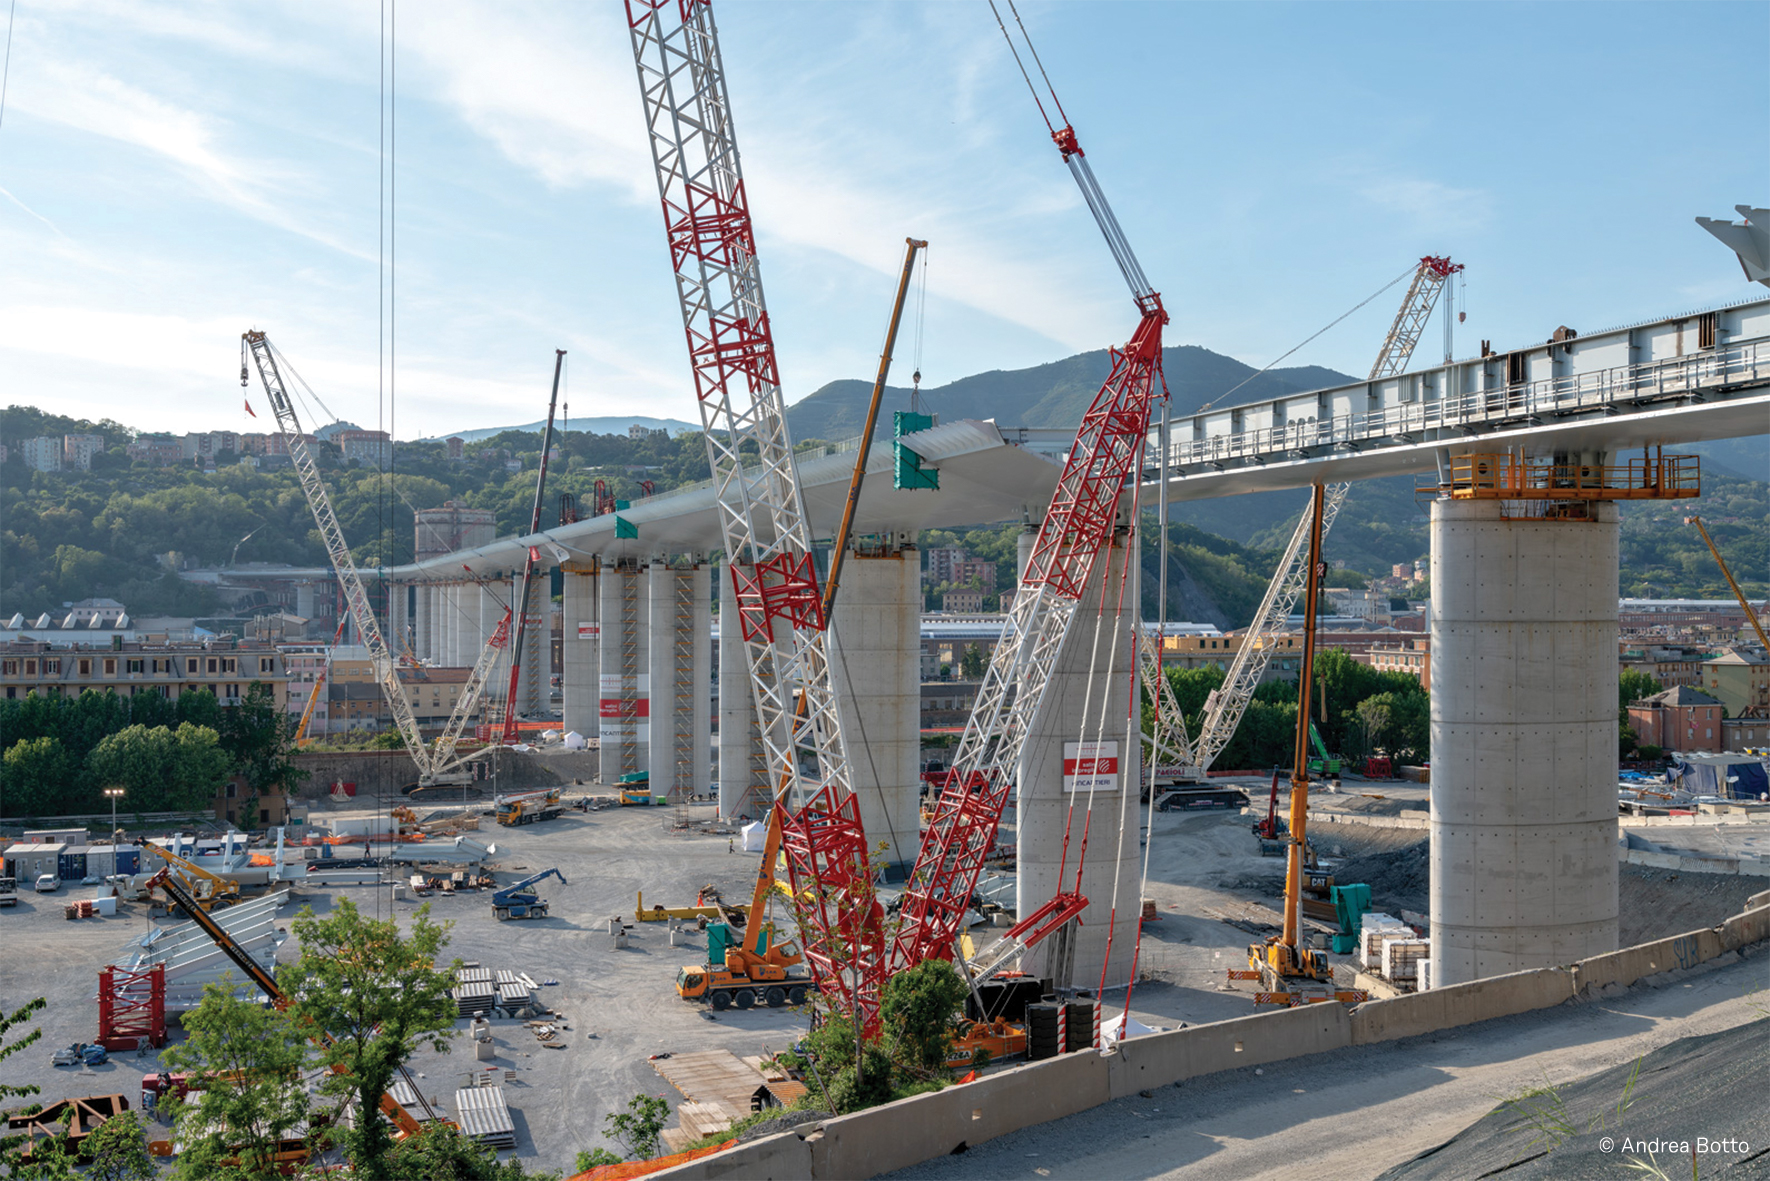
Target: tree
pixel 249 1061
pixel 595 1158
pixel 11 1145
pixel 846 1077
pixel 379 994
pixel 1634 685
pixel 916 1014
pixel 444 1153
pixel 972 662
pixel 117 1150
pixel 163 769
pixel 1373 716
pixel 38 771
pixel 637 1128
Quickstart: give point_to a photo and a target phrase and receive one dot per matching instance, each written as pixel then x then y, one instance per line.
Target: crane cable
pixel 6 69
pixel 1250 377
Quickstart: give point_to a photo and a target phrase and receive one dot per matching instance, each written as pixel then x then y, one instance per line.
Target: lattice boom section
pixel 841 925
pixel 1079 524
pixel 131 1007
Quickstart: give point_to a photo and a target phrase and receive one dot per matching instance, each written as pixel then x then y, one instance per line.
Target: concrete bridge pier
pixel 532 681
pixel 580 674
pixel 422 614
pixel 624 685
pixel 744 787
pixel 1043 804
pixel 1524 739
pixel 876 667
pixel 680 622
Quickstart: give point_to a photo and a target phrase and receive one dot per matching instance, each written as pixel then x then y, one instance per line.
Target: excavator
pixel 395 1112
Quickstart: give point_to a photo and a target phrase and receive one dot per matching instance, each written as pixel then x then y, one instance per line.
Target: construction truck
pixel 635 789
pixel 526 809
pixel 519 901
pixel 754 968
pixel 8 891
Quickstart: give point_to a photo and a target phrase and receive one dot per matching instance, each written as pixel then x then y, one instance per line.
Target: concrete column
pixel 744 789
pixel 488 612
pixel 454 615
pixel 1524 668
pixel 422 619
pixel 537 650
pixel 578 680
pixel 680 626
pixel 875 665
pixel 624 685
pixel 304 599
pixel 1067 715
pixel 397 618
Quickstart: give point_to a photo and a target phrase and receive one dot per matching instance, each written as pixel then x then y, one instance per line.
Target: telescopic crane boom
pixel 521 605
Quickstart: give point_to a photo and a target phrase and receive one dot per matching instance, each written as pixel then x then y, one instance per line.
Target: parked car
pixel 47 883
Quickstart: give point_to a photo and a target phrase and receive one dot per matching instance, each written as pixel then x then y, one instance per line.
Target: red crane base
pixel 131 1006
pixel 841 925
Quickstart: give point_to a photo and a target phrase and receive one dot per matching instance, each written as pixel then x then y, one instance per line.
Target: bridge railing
pixel 1637 384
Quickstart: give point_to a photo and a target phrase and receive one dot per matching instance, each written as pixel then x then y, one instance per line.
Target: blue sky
pixel 173 173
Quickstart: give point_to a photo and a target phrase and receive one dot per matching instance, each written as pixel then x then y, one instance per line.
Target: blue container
pixel 128 859
pixel 71 867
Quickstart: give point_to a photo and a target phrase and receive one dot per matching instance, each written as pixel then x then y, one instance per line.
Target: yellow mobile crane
pixel 207 890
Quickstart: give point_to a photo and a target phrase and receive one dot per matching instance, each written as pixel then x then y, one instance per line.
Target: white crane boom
pixel 436 765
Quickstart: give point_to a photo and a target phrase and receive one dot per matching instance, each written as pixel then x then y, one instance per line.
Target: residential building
pixel 43 454
pixel 1681 719
pixel 304 663
pixel 456 448
pixel 204 446
pixel 160 451
pixel 371 448
pixel 976 570
pixel 962 602
pixel 1408 656
pixel 1739 678
pixel 946 705
pixel 77 451
pixel 356 700
pixel 1750 733
pixel 941 560
pixel 223 666
pixel 1669 664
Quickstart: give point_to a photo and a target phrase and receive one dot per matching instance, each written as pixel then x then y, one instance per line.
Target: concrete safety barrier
pixel 1747 866
pixel 897 1135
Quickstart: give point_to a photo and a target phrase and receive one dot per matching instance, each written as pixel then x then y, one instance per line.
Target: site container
pixel 71 865
pixel 30 861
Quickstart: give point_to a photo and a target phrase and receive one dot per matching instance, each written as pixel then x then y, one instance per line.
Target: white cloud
pixel 1431 204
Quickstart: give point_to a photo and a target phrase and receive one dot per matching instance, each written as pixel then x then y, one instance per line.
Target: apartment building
pixel 225 667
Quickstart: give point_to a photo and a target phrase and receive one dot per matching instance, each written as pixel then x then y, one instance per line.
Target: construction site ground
pixel 619 1007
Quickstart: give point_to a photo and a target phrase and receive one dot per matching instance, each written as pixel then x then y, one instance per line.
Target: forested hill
pixel 1052 395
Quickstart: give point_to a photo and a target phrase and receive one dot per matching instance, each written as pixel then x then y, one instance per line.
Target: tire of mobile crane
pixel 776 997
pixel 720 1000
pixel 503 913
pixel 796 995
pixel 745 999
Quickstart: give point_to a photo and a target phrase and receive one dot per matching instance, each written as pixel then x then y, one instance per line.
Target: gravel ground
pixel 621 1005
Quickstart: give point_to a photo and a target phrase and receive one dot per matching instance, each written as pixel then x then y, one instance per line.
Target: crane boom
pixel 780 617
pixel 520 607
pixel 435 766
pixel 1415 310
pixel 1745 605
pixel 1078 525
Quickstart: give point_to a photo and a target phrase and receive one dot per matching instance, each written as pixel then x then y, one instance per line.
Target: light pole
pixel 115 794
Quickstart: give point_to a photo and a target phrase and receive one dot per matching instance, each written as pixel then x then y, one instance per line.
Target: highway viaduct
pixel 1524 597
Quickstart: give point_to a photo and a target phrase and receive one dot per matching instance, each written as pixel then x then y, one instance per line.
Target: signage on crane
pixel 1090 766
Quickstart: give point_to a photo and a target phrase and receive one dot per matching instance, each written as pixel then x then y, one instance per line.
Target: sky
pixel 174 173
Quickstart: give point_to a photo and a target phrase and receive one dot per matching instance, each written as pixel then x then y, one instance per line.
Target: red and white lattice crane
pixel 756 481
pixel 1084 510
